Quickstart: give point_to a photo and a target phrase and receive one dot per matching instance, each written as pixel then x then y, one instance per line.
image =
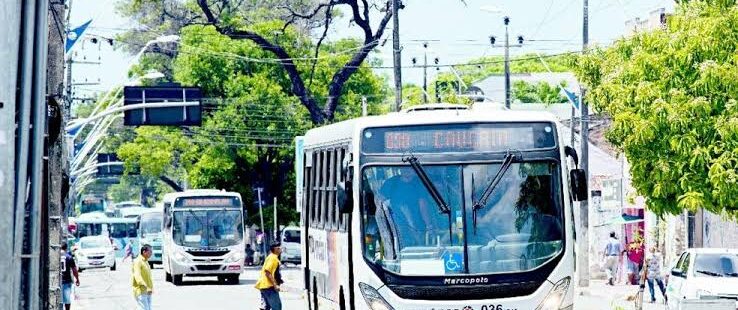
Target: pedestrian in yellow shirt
pixel 267 283
pixel 143 285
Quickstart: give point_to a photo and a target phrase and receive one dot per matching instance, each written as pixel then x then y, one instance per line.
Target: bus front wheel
pixel 177 279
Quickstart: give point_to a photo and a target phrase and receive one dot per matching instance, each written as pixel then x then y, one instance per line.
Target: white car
pixel 704 274
pixel 95 252
pixel 291 245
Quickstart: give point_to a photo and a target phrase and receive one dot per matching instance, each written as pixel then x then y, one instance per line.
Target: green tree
pixel 251 116
pixel 540 92
pixel 672 94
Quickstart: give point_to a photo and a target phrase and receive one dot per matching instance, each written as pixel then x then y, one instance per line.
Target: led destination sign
pixel 204 202
pixel 459 138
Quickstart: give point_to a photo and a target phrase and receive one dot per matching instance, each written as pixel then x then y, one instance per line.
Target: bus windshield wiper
pixel 506 163
pixel 709 273
pixel 432 190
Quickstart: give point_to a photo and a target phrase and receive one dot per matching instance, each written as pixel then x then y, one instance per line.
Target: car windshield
pixel 207 228
pixel 88 229
pixel 94 243
pixel 716 265
pixel 291 236
pixel 519 228
pixel 150 224
pixel 122 230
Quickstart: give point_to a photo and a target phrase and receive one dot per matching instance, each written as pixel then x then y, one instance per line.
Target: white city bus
pixel 203 235
pixel 439 207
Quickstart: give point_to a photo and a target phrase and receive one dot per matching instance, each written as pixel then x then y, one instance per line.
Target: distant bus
pixel 114 210
pixel 439 207
pixel 91 203
pixel 203 235
pixel 119 230
pixel 131 212
pixel 149 232
pixel 122 231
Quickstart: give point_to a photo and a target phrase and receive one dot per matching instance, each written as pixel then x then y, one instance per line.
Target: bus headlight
pixel 235 257
pixel 373 299
pixel 179 256
pixel 556 296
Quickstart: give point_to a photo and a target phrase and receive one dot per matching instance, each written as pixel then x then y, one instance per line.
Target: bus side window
pixel 315 200
pixel 340 178
pixel 331 190
pixel 167 219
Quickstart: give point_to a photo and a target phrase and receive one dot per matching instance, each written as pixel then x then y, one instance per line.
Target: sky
pixel 456 32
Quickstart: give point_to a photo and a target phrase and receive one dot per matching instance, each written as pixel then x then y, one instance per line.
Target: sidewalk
pixel 601 296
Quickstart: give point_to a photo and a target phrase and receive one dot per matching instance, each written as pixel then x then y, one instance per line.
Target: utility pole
pixel 425 70
pixel 58 165
pixel 276 226
pixel 396 53
pixel 492 40
pixel 584 164
pixel 507 63
pixel 261 216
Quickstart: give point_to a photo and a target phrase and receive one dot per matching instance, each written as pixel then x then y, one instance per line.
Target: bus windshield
pixel 519 228
pixel 207 228
pixel 150 223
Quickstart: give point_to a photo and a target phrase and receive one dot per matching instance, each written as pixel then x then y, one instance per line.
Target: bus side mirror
pixel 344 197
pixel 578 183
pixel 571 152
pixel 344 189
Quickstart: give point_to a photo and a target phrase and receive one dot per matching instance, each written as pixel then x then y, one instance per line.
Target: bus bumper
pixel 203 267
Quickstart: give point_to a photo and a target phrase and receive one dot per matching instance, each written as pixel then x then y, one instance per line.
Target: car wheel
pixel 80 270
pixel 167 277
pixel 113 267
pixel 177 279
pixel 151 265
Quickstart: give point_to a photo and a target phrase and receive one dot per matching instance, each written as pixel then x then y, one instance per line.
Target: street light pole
pixel 507 63
pixel 425 72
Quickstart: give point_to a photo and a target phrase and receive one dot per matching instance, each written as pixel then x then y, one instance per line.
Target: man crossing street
pixel 267 283
pixel 143 285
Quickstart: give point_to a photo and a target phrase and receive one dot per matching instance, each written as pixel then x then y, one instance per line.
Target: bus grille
pixel 208 253
pixel 465 292
pixel 208 267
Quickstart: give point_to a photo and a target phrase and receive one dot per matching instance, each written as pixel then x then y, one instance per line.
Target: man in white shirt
pixel 613 252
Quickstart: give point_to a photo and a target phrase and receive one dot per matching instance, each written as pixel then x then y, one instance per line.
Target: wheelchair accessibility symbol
pixel 453 262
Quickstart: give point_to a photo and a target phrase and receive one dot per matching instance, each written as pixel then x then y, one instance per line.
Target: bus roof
pixel 446 114
pixel 199 192
pixel 126 212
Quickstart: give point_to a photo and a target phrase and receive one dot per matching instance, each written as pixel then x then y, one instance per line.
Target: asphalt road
pixel 104 289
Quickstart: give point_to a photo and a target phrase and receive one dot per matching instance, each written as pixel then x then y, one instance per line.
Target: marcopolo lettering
pixel 455 281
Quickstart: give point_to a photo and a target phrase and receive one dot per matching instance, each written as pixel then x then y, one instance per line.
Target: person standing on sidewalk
pixel 653 274
pixel 68 268
pixel 143 285
pixel 613 251
pixel 268 284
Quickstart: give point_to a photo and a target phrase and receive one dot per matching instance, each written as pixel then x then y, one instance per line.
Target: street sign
pixel 167 116
pixel 109 170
